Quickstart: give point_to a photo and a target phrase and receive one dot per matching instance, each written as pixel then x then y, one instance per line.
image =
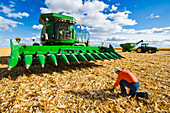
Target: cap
pixel 117 69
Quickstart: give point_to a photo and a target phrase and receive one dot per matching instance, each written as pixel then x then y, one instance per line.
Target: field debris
pixel 85 87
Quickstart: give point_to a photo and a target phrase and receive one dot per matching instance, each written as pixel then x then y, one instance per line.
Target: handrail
pixel 83 35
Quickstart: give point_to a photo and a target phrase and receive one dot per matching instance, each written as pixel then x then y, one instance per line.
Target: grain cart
pixel 145 48
pixel 129 46
pixel 59 42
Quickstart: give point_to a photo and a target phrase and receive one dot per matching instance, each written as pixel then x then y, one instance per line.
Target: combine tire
pixel 139 50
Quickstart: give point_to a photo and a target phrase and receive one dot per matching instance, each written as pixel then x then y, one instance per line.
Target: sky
pixel 109 21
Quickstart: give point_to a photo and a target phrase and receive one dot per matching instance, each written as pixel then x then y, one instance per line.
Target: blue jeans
pixel 133 88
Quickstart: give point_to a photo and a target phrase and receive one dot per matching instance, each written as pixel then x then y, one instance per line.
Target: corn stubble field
pixel 85 87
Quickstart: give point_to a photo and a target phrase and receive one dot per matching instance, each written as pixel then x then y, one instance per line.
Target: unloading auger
pixel 59 41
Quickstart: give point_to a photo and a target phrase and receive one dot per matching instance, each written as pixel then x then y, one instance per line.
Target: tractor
pixel 145 48
pixel 59 42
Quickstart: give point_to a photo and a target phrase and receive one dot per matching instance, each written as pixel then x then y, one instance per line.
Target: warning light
pixel 102 43
pixel 18 39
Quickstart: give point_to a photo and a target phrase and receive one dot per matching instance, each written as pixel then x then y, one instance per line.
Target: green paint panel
pixel 109 56
pixel 82 57
pixel 96 56
pixel 89 56
pixel 114 55
pixel 12 62
pixel 52 59
pixel 64 58
pixel 73 58
pixel 103 56
pixel 28 60
pixel 41 60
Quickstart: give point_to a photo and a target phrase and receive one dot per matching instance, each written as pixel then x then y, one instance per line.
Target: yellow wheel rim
pixel 150 51
pixel 138 50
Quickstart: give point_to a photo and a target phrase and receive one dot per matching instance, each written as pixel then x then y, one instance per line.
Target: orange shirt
pixel 125 75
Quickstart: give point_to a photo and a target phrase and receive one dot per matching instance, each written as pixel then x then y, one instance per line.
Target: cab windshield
pixel 64 29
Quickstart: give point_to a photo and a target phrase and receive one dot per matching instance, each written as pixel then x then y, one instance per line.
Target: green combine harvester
pixel 59 42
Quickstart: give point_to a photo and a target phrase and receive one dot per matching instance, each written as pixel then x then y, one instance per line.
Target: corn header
pixel 59 42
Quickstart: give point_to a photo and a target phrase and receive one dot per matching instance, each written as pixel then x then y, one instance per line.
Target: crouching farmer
pixel 126 78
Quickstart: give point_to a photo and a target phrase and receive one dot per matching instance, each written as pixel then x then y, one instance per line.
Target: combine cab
pixel 59 41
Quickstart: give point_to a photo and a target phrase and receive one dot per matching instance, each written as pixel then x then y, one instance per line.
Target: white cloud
pixel 90 14
pixel 18 15
pixel 11 5
pixel 26 40
pixel 9 13
pixel 5 9
pixel 36 37
pixel 7 25
pixel 118 4
pixel 148 31
pixel 62 5
pixel 153 16
pixel 93 7
pixel 113 8
pixel 29 41
pixel 37 26
pixel 11 2
pixel 45 10
pixel 122 19
pixel 82 27
pixel 7 40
